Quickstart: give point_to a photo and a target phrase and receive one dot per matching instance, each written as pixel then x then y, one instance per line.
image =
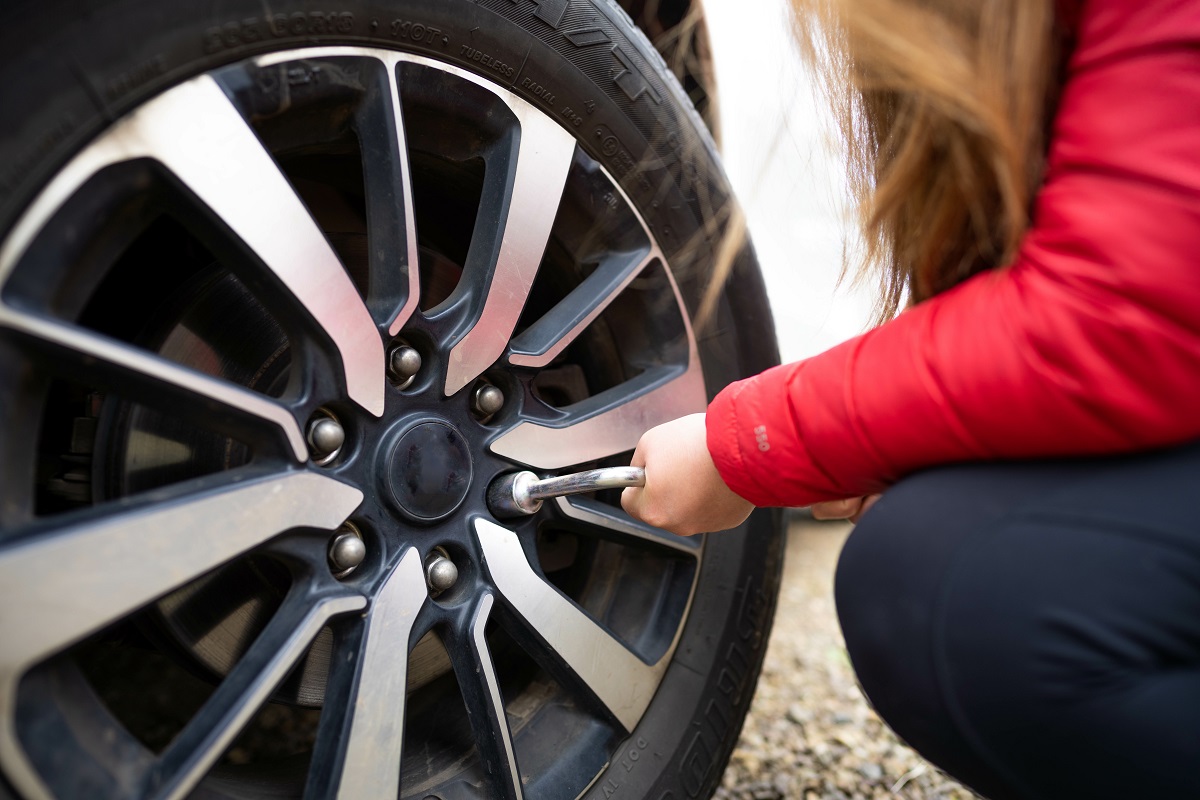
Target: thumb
pixel 631 496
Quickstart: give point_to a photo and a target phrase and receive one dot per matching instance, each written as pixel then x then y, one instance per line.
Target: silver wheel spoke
pixel 545 339
pixel 374 746
pixel 481 692
pixel 543 160
pixel 137 366
pixel 197 134
pixel 608 423
pixel 621 681
pixel 619 526
pixel 85 575
pixel 272 656
pixel 388 185
pixel 410 226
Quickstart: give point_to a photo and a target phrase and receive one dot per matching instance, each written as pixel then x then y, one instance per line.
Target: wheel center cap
pixel 429 470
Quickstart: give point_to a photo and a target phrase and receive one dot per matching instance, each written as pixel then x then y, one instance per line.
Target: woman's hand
pixel 684 493
pixel 852 508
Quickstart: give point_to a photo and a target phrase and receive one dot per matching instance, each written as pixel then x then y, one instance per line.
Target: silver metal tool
pixel 520 493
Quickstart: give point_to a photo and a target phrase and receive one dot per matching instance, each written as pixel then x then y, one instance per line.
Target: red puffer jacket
pixel 1088 343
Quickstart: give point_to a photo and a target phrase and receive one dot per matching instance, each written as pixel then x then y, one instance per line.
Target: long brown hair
pixel 943 108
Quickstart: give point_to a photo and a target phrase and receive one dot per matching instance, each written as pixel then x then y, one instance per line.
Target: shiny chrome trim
pixel 372 765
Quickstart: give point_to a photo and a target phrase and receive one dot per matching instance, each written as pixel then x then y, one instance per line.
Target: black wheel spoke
pixel 611 421
pixel 248 415
pixel 609 522
pixel 259 205
pixel 390 208
pixel 538 345
pixel 571 643
pixel 86 570
pixel 393 287
pixel 197 134
pixel 255 200
pixel 264 666
pixel 481 692
pixel 608 423
pixel 82 574
pixel 361 743
pixel 521 195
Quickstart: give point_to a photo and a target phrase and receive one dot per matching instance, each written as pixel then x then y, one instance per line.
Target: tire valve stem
pixel 521 493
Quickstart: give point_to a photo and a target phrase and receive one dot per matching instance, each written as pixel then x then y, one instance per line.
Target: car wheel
pixel 283 291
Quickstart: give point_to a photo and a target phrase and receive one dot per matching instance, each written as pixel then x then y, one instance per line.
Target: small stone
pixel 799 714
pixel 871 771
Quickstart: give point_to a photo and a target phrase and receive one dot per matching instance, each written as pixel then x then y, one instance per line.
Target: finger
pixel 631 501
pixel 639 454
pixel 866 506
pixel 837 509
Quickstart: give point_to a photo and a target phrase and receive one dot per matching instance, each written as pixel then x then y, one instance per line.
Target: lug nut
pixel 404 363
pixel 325 438
pixel 440 573
pixel 486 400
pixel 346 552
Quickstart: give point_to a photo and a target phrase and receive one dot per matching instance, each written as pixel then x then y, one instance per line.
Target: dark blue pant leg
pixel 1034 629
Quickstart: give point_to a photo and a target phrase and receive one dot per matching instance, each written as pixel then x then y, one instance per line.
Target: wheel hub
pixel 428 470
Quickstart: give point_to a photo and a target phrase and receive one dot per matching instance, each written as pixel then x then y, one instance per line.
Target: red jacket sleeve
pixel 1088 343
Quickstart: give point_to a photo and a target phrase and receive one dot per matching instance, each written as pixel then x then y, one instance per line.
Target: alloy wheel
pixel 279 329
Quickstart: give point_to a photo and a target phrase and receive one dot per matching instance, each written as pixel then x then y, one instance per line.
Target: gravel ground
pixel 810 734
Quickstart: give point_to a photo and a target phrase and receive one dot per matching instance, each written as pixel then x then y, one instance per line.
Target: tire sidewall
pixel 578 62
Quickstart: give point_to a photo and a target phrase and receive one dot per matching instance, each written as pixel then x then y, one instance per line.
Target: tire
pixel 281 295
